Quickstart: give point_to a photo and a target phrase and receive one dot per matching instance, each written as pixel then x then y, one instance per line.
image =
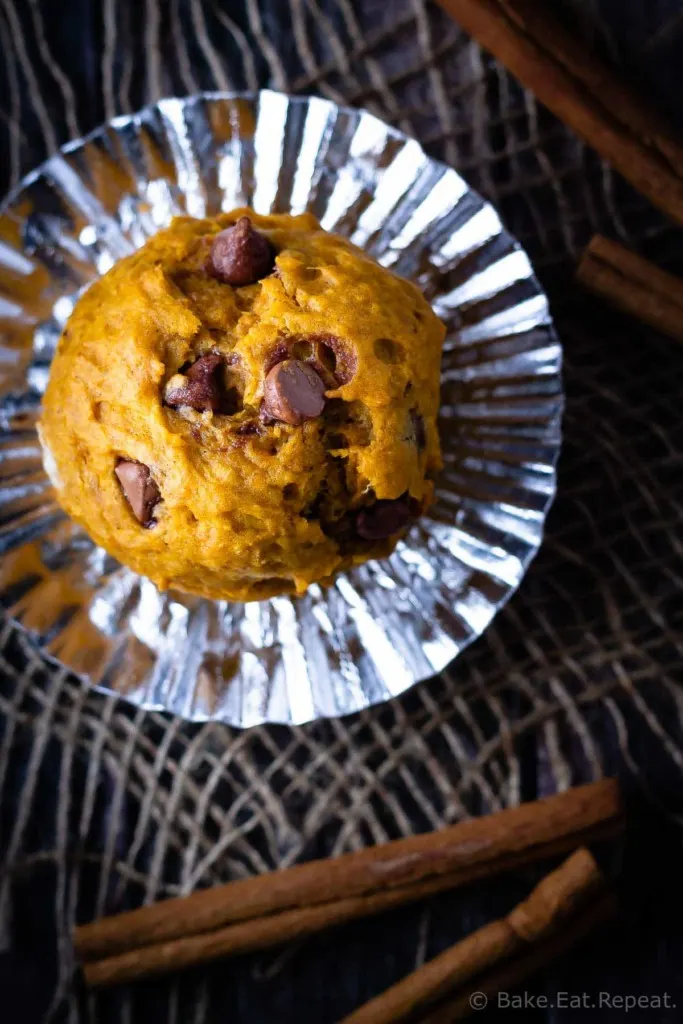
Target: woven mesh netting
pixel 102 806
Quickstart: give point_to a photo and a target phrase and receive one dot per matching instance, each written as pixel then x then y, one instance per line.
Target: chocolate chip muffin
pixel 245 406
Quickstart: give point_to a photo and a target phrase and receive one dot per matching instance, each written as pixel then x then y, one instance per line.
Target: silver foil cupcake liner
pixel 386 625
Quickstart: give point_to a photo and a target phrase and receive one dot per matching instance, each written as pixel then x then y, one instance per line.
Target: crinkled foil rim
pixel 386 625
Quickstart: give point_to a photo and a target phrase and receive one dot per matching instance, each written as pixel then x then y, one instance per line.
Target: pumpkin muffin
pixel 245 406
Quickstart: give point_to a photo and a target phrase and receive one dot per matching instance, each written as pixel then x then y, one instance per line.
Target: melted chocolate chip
pixel 241 255
pixel 384 518
pixel 278 355
pixel 200 389
pixel 139 488
pixel 293 392
pixel 248 429
pixel 344 361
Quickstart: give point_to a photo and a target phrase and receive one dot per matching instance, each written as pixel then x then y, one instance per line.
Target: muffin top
pixel 245 406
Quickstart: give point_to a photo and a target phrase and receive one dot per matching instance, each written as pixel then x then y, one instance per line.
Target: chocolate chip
pixel 139 488
pixel 265 416
pixel 199 387
pixel 332 359
pixel 384 518
pixel 293 393
pixel 240 255
pixel 248 429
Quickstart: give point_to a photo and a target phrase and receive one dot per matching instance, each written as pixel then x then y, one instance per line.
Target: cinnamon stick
pixel 633 284
pixel 555 899
pixel 454 856
pixel 510 974
pixel 263 932
pixel 589 97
